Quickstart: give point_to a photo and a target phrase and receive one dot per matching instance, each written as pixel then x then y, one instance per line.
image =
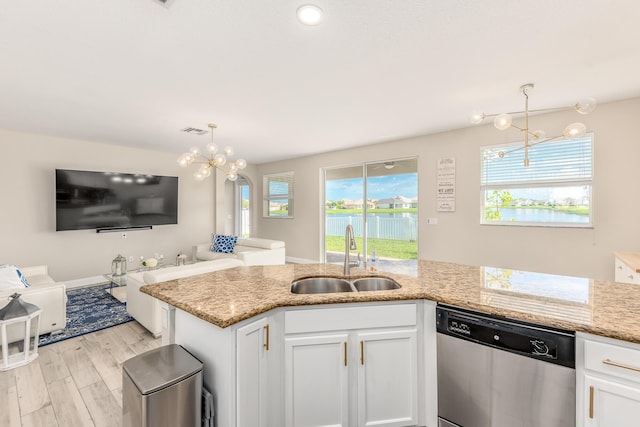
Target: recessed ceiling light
pixel 309 14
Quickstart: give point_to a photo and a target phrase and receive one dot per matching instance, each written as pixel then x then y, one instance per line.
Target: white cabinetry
pixel 339 372
pixel 625 273
pixel 252 369
pixel 387 378
pixel 608 375
pixel 317 381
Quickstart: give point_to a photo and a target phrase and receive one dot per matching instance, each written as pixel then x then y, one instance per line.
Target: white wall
pixel 27 217
pixel 458 236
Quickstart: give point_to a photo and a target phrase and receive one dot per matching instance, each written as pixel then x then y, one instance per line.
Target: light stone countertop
pixel 226 297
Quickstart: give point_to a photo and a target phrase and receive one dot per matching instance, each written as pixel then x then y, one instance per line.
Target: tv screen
pixel 102 200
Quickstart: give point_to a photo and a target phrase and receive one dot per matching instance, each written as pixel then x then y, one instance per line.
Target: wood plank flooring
pixel 77 382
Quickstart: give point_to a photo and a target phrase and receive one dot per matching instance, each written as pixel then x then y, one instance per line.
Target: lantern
pixel 119 266
pixel 19 330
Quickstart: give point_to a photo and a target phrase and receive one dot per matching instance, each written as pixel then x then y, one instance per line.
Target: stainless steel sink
pixel 320 285
pixel 326 285
pixel 375 284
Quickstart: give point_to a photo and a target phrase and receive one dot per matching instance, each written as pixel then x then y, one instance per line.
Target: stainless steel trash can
pixel 162 388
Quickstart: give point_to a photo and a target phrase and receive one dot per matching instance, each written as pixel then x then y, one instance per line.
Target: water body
pixel 541 215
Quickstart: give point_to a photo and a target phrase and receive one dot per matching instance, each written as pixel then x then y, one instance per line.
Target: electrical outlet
pixel 124 235
pixel 130 259
pixel 432 221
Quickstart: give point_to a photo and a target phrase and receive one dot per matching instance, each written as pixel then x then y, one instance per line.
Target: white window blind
pixel 278 195
pixel 549 162
pixel 555 189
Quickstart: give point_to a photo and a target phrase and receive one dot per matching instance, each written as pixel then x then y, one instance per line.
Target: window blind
pixel 549 162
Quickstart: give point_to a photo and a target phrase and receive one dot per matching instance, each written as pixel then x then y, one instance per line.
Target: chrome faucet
pixel 349 244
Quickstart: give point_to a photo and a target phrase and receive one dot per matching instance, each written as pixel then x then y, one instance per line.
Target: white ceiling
pixel 135 72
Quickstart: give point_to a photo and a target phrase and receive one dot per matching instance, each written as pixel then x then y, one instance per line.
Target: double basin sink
pixel 326 285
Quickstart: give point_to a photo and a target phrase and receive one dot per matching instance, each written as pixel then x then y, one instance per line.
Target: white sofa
pixel 43 291
pixel 146 309
pixel 251 251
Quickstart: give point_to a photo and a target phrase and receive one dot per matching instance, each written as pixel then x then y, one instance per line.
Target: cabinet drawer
pixel 626 274
pixel 614 360
pixel 344 318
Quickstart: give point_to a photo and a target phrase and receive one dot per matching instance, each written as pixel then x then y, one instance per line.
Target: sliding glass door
pixel 380 201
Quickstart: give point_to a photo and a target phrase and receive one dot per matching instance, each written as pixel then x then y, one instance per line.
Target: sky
pixel 379 187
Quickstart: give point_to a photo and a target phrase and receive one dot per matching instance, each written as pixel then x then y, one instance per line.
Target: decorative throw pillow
pixel 223 244
pixel 12 278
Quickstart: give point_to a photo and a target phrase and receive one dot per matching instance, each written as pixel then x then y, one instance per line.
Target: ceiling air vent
pixel 166 3
pixel 194 131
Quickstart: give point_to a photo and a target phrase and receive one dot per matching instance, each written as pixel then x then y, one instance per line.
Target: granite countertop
pixel 226 297
pixel 632 259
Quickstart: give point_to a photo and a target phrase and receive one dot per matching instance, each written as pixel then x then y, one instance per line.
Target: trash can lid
pixel 161 367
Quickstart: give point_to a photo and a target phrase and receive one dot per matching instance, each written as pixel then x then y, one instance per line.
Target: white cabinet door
pixel 387 378
pixel 609 403
pixel 251 401
pixel 316 381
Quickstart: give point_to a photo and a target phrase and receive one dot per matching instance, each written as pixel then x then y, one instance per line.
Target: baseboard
pixel 293 260
pixel 78 283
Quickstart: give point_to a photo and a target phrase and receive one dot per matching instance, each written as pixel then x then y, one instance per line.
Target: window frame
pixel 532 184
pixel 268 197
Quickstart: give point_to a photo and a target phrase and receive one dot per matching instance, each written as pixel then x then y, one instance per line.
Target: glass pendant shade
pixel 242 163
pixel 586 105
pixel 502 122
pixel 574 130
pixel 476 117
pixel 212 148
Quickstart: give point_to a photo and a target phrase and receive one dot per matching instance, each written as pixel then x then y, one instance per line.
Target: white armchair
pixel 43 291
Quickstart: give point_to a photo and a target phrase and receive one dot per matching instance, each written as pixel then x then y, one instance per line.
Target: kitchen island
pixel 254 335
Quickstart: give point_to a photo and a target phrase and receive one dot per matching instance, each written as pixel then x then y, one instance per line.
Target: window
pixel 243 207
pixel 278 195
pixel 554 190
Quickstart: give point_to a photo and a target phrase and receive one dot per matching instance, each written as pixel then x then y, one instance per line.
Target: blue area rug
pixel 89 310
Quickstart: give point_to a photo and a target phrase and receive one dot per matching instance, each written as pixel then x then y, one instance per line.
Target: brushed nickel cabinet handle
pixel 591 402
pixel 266 337
pixel 620 365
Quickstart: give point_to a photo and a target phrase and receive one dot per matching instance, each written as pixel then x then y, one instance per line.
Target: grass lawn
pixel 384 248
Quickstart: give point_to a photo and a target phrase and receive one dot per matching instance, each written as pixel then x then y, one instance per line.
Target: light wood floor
pixel 77 382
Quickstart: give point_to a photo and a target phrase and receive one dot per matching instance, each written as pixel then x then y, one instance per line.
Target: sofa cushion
pixel 222 243
pixel 255 242
pixel 12 278
pixel 210 256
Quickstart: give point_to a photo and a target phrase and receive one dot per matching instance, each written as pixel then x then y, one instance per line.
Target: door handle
pixel 345 353
pixel 266 337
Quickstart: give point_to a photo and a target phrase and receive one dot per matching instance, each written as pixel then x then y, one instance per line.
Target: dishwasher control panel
pixel 535 341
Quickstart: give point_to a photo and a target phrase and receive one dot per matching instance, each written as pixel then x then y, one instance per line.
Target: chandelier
pixel 212 159
pixel 531 138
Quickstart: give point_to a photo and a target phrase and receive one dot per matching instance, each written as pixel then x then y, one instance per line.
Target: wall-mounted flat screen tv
pixel 104 200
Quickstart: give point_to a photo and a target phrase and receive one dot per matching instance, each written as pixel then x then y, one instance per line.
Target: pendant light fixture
pixel 212 159
pixel 531 138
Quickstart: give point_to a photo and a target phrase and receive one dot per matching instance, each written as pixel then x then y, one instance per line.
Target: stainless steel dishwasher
pixel 495 372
